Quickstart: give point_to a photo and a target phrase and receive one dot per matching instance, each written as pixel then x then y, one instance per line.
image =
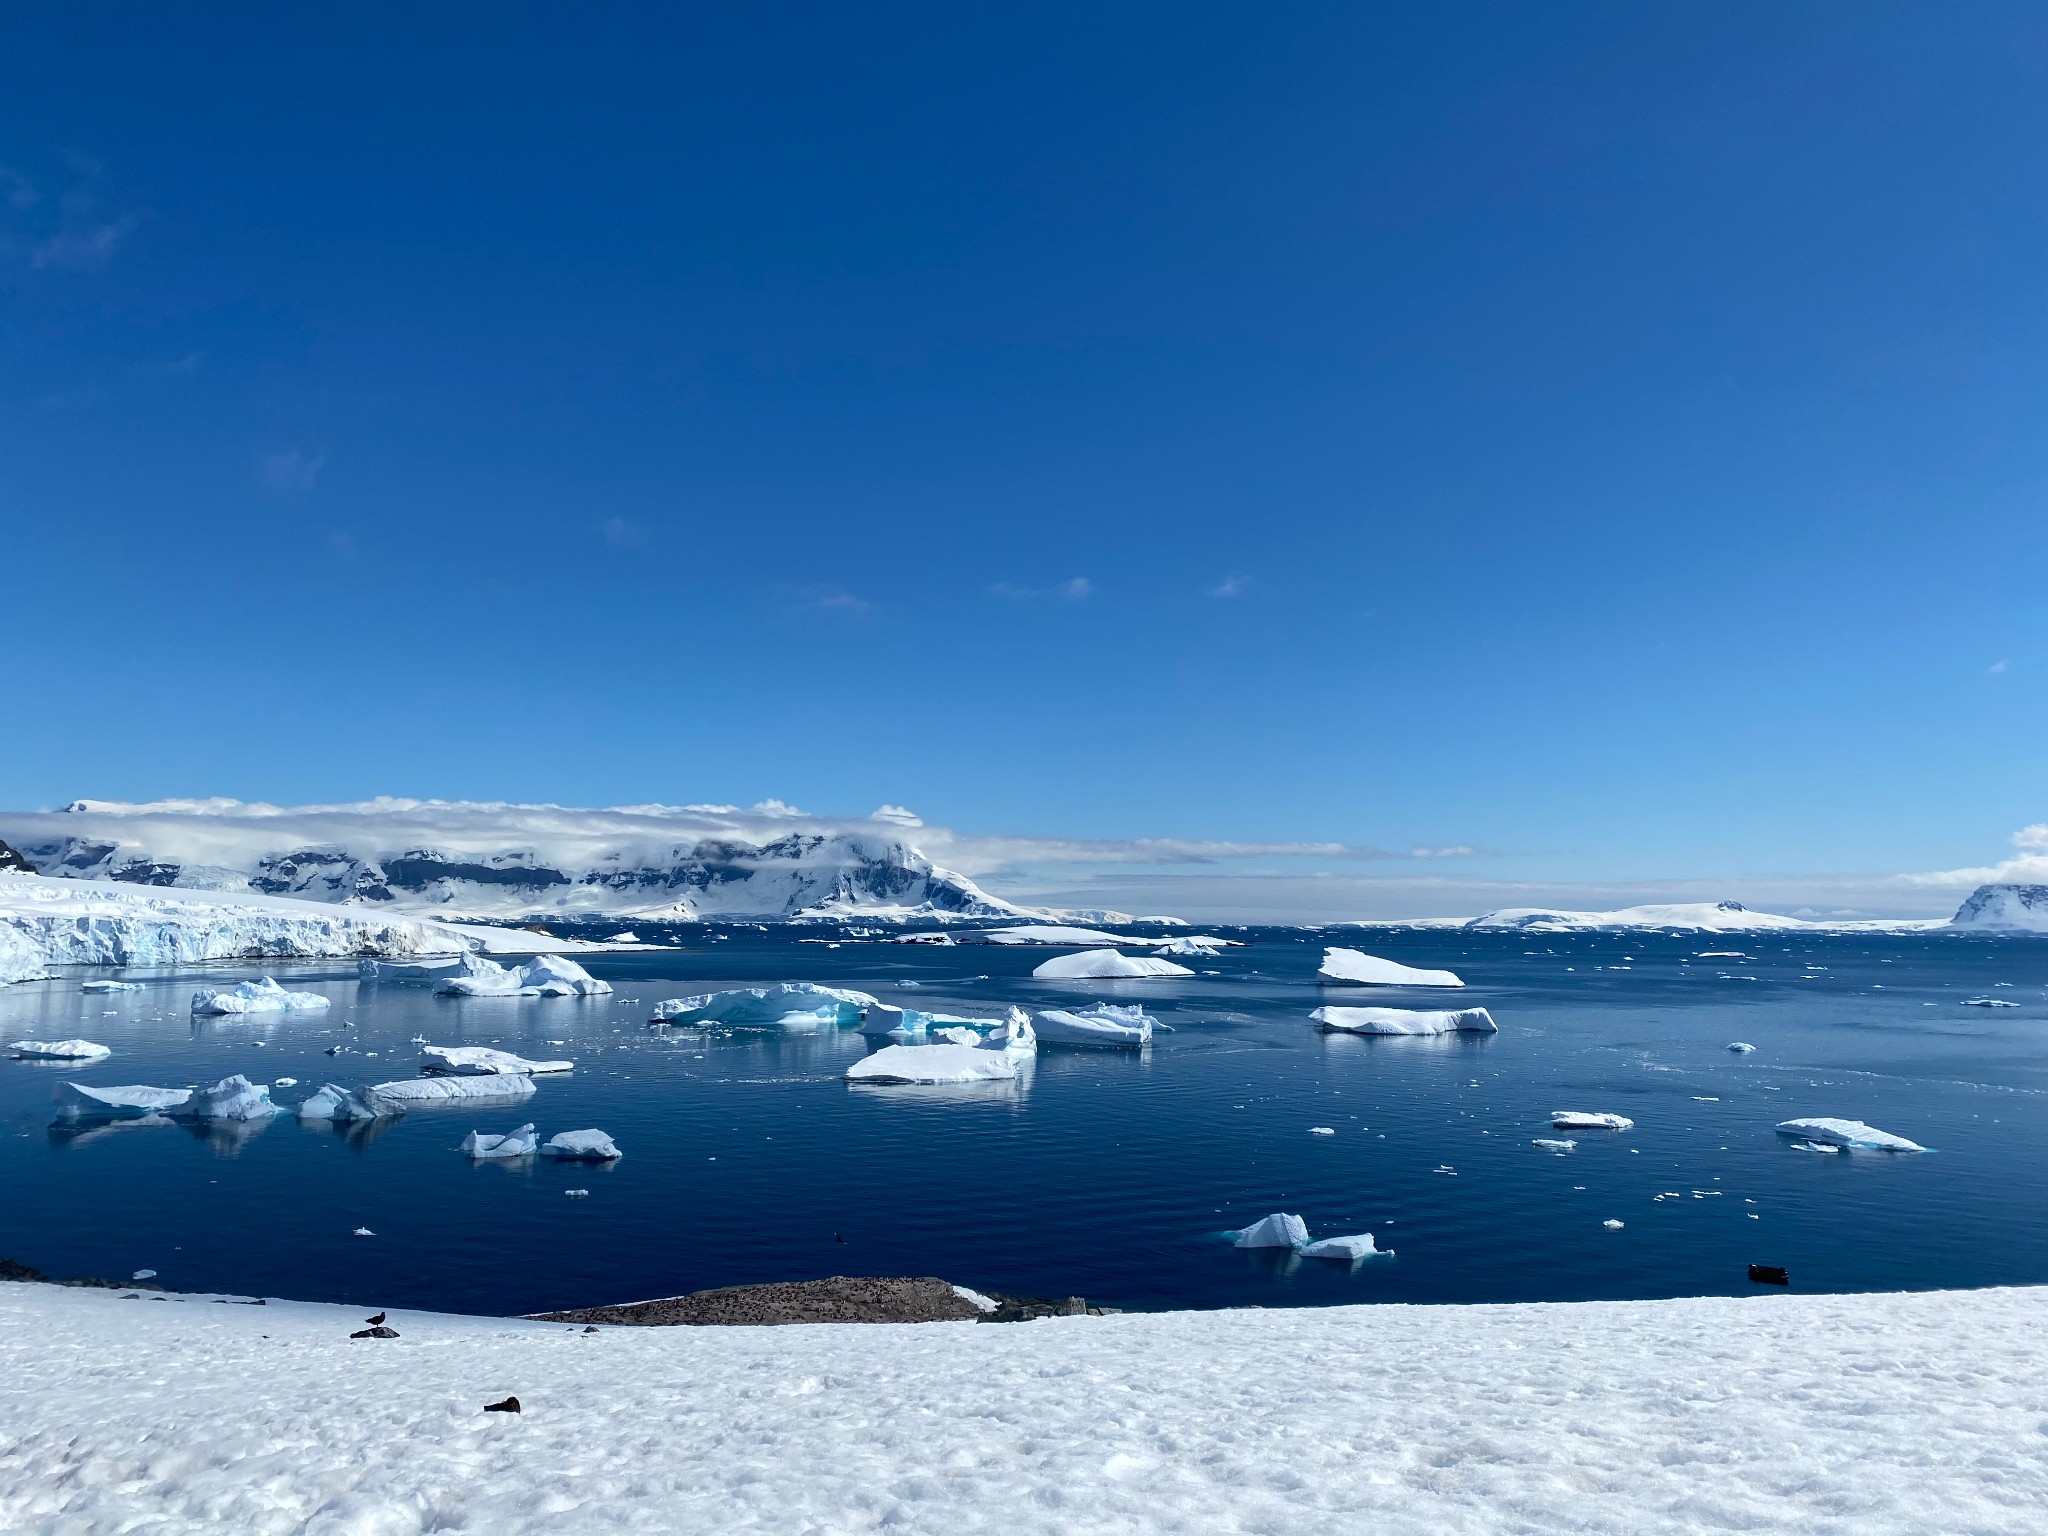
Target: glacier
pixel 1350 966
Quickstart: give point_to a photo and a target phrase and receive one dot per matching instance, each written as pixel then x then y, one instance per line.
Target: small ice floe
pixel 1445 1168
pixel 483 1146
pixel 1202 948
pixel 1814 1146
pixel 792 1004
pixel 284 1082
pixel 143 1274
pixel 1322 1130
pixel 1740 1047
pixel 581 1147
pixel 1847 1133
pixel 364 1232
pixel 59 1050
pixel 80 1101
pixel 1279 1230
pixel 1357 1246
pixel 542 976
pixel 231 1099
pixel 577 1194
pixel 1353 967
pixel 1581 1120
pixel 426 1092
pixel 1104 1024
pixel 1106 965
pixel 948 1063
pixel 110 986
pixel 332 1102
pixel 262 996
pixel 1549 1144
pixel 1989 1002
pixel 1612 1225
pixel 909 986
pixel 1406 1021
pixel 1706 1098
pixel 482 1061
pixel 408 970
pixel 623 938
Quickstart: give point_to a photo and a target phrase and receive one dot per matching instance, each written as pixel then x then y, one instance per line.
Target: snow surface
pixel 1689 916
pixel 793 1003
pixel 1350 965
pixel 261 996
pixel 947 1063
pixel 1103 1024
pixel 60 1050
pixel 1847 1133
pixel 482 1061
pixel 1105 965
pixel 1406 1021
pixel 1876 1415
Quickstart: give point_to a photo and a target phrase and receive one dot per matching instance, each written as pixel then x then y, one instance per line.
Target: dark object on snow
pixel 510 1405
pixel 1022 1309
pixel 591 1329
pixel 1769 1274
pixel 841 1299
pixel 377 1321
pixel 379 1332
pixel 9 859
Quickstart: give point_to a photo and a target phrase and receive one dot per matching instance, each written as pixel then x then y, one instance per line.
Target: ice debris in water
pixel 262 996
pixel 577 1194
pixel 1989 1002
pixel 1406 1021
pixel 284 1082
pixel 1549 1145
pixel 1847 1133
pixel 1279 1230
pixel 1741 1047
pixel 1612 1225
pixel 364 1232
pixel 1106 965
pixel 581 1146
pixel 1322 1130
pixel 945 1063
pixel 110 986
pixel 794 1004
pixel 1581 1120
pixel 1103 1024
pixel 542 976
pixel 1360 969
pixel 482 1144
pixel 59 1050
pixel 482 1061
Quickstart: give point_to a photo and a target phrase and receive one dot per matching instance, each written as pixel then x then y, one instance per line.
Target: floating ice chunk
pixel 1014 1036
pixel 284 1082
pixel 427 1092
pixel 1580 1120
pixel 1206 948
pixel 1847 1133
pixel 1550 1145
pixel 932 1064
pixel 797 1004
pixel 956 1034
pixel 1322 1130
pixel 1279 1230
pixel 482 1061
pixel 1354 967
pixel 1105 965
pixel 60 1050
pixel 1353 1248
pixel 623 938
pixel 542 976
pixel 1406 1021
pixel 332 1102
pixel 433 969
pixel 1049 934
pixel 482 1145
pixel 1612 1225
pixel 231 1099
pixel 364 1232
pixel 1740 1047
pixel 80 1101
pixel 1989 1002
pixel 1103 1024
pixel 264 996
pixel 581 1147
pixel 110 986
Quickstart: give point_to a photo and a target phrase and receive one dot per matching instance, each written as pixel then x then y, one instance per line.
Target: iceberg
pixel 408 970
pixel 429 1092
pixel 932 1064
pixel 1548 1145
pixel 59 1050
pixel 1406 1021
pixel 1104 1024
pixel 80 1101
pixel 1989 1002
pixel 482 1145
pixel 264 996
pixel 1353 1248
pixel 482 1061
pixel 232 1098
pixel 1740 1047
pixel 796 1004
pixel 1580 1120
pixel 542 976
pixel 1847 1133
pixel 1356 968
pixel 1105 965
pixel 110 986
pixel 1014 1036
pixel 915 1023
pixel 1278 1230
pixel 336 1104
pixel 581 1147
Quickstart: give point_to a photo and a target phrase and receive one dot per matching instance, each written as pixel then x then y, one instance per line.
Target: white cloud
pixel 1230 586
pixel 1997 667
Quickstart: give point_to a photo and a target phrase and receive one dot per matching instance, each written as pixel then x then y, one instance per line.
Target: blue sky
pixel 1608 438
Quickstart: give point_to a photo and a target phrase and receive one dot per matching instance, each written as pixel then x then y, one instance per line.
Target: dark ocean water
pixel 1108 1174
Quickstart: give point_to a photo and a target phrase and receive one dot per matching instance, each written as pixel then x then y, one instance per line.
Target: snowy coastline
pixel 1865 1414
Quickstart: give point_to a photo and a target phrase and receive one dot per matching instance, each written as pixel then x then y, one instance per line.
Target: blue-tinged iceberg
pixel 791 1004
pixel 1829 1132
pixel 93 1101
pixel 1105 1024
pixel 59 1050
pixel 482 1061
pixel 433 1092
pixel 231 1099
pixel 483 1146
pixel 542 976
pixel 589 1146
pixel 1406 1021
pixel 1279 1230
pixel 262 996
pixel 336 1104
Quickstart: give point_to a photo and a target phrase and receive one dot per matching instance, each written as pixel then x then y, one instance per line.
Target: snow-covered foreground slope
pixel 1826 1415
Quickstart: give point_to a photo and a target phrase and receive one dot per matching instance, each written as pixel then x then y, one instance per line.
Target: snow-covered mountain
pixel 501 860
pixel 1689 916
pixel 2006 908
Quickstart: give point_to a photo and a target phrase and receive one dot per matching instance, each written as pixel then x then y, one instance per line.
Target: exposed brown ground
pixel 841 1299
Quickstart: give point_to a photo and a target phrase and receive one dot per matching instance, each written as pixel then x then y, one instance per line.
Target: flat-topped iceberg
pixel 261 996
pixel 429 1092
pixel 1406 1021
pixel 1550 1144
pixel 334 1103
pixel 434 969
pixel 1581 1120
pixel 231 1099
pixel 482 1145
pixel 1279 1230
pixel 1103 1024
pixel 582 1147
pixel 482 1061
pixel 1359 969
pixel 84 1101
pixel 1355 1247
pixel 110 986
pixel 932 1064
pixel 542 976
pixel 796 1004
pixel 1106 965
pixel 59 1050
pixel 1847 1133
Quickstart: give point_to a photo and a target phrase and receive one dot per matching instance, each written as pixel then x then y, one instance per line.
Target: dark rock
pixel 510 1405
pixel 841 1299
pixel 1023 1309
pixel 375 1333
pixel 10 859
pixel 1769 1274
pixel 591 1329
pixel 9 1270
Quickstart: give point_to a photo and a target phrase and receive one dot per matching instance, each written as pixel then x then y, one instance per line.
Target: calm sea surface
pixel 1105 1173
